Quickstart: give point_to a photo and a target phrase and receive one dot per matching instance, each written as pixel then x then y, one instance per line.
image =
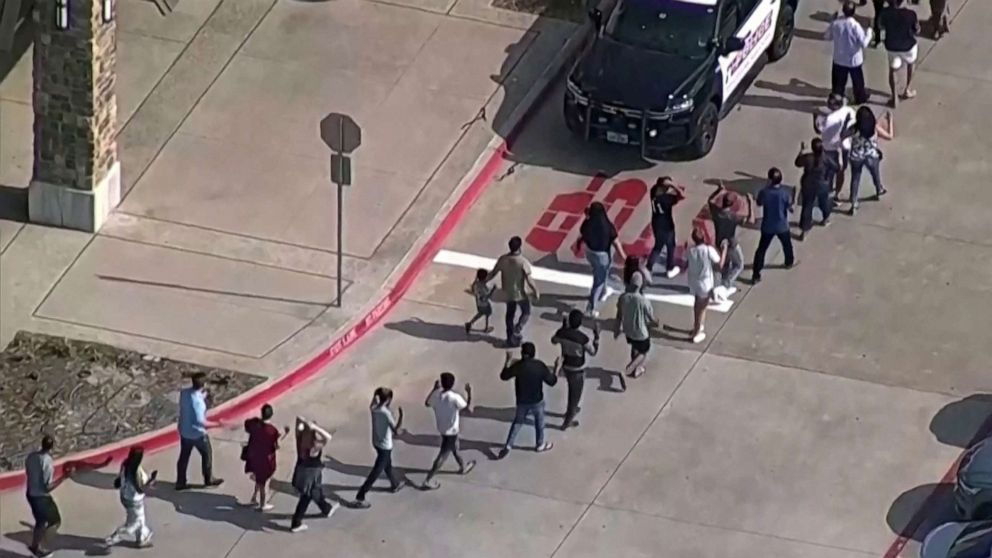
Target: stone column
pixel 77 180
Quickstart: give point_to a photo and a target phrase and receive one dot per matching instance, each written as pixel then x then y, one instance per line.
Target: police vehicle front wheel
pixel 706 128
pixel 785 28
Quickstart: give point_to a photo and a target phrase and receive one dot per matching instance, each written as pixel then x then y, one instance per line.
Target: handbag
pixel 244 452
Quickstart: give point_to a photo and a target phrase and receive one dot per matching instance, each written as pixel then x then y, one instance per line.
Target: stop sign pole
pixel 342 135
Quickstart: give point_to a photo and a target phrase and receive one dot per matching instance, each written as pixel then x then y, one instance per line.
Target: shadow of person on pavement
pixel 450 333
pixel 89 546
pixel 208 505
pixel 918 511
pixel 488 449
pixel 605 378
pixel 503 414
pixel 965 422
pixel 362 471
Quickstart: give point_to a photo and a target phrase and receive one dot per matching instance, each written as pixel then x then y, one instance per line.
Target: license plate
pixel 616 137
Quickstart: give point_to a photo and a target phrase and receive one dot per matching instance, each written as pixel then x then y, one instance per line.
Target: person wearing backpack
pixel 132 482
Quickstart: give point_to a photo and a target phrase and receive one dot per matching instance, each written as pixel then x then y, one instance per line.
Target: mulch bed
pixel 88 394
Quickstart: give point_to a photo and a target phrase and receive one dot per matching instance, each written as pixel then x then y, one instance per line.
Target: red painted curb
pixel 252 400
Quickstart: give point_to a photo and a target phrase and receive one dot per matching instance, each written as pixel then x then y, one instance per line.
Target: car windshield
pixel 668 26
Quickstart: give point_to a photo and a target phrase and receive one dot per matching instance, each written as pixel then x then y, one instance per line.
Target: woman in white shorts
pixel 701 259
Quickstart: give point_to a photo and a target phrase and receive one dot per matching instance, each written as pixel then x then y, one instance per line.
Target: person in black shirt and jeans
pixel 901 27
pixel 529 376
pixel 599 236
pixel 815 184
pixel 665 195
pixel 575 345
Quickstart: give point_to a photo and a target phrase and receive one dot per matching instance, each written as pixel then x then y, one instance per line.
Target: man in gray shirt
pixel 635 318
pixel 383 428
pixel 39 468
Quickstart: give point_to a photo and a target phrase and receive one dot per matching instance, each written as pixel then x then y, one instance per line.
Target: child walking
pixel 483 294
pixel 447 404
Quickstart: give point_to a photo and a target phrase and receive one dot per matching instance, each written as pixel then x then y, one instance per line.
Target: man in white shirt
pixel 849 41
pixel 831 125
pixel 447 405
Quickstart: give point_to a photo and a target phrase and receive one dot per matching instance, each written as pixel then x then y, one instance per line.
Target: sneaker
pixel 699 337
pixel 671 273
pixel 793 265
pixel 44 553
pixel 854 210
pixel 468 328
pixel 362 504
pixel 503 453
pixel 755 279
pixel 330 511
pixel 825 223
pixel 213 483
pixel 399 486
pixel 181 487
pixel 882 193
pixel 432 485
pixel 266 507
pixel 468 468
pixel 546 447
pixel 299 528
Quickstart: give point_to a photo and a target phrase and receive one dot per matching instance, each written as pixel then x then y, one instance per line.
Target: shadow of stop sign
pixel 340 132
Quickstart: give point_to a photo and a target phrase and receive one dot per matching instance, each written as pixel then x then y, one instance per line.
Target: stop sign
pixel 340 132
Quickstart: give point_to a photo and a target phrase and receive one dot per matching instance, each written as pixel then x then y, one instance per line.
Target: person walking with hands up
pixel 447 405
pixel 308 473
pixel 383 428
pixel 529 376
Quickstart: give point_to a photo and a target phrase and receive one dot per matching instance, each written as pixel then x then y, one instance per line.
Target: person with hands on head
pixel 383 428
pixel 575 345
pixel 447 405
pixel 193 425
pixel 529 376
pixel 725 223
pixel 39 470
pixel 132 481
pixel 665 195
pixel 308 473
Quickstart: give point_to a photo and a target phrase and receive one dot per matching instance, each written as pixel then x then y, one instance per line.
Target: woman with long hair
pixel 132 481
pixel 865 152
pixel 599 237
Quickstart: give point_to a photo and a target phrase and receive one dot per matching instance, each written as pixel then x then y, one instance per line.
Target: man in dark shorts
pixel 575 345
pixel 39 468
pixel 635 318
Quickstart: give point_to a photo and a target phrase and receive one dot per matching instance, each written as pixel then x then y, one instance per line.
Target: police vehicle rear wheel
pixel 706 128
pixel 784 30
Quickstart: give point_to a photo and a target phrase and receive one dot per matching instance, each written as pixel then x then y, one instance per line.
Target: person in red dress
pixel 260 455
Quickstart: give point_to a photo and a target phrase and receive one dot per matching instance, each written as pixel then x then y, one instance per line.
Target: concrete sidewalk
pixel 225 240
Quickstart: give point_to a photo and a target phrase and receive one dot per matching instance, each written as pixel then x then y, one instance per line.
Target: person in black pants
pixel 776 203
pixel 383 428
pixel 575 345
pixel 308 473
pixel 665 195
pixel 876 20
pixel 815 184
pixel 849 40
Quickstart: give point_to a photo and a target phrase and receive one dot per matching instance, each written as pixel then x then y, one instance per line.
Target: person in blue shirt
pixel 776 203
pixel 193 426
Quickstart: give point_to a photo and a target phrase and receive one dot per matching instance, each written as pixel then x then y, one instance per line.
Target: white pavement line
pixel 579 280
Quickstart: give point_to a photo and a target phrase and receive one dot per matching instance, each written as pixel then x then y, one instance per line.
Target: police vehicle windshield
pixel 668 26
